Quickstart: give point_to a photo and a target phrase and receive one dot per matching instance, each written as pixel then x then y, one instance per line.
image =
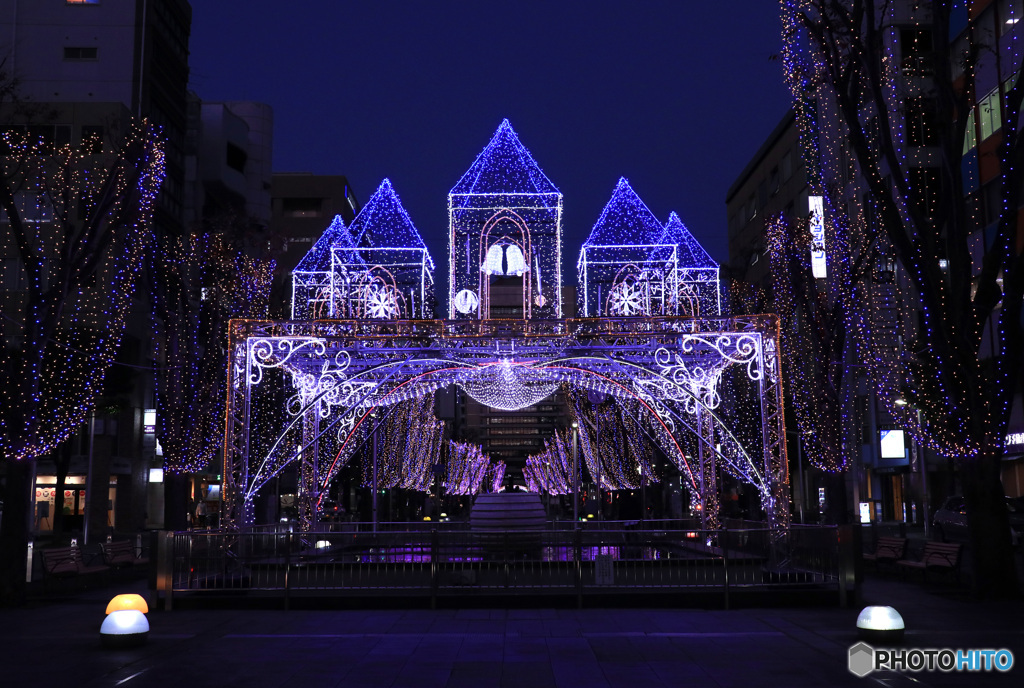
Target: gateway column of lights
pixel 702 387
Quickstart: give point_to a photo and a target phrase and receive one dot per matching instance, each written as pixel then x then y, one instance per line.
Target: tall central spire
pixel 504 166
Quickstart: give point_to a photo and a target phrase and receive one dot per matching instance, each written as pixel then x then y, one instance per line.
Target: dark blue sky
pixel 675 95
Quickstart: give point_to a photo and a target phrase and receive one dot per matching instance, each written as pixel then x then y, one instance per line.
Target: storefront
pixel 1013 464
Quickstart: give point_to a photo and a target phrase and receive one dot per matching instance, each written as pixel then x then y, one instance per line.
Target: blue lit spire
pixel 504 166
pixel 384 223
pixel 690 254
pixel 625 220
pixel 318 258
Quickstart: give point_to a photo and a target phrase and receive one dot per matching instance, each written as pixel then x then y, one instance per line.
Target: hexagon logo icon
pixel 862 659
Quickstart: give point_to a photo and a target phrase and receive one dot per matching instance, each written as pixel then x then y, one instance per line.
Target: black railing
pixel 447 561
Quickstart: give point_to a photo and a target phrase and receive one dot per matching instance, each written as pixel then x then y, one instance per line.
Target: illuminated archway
pixel 340 371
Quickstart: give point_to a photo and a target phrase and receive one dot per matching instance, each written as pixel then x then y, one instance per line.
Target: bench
pixel 121 554
pixel 937 556
pixel 887 549
pixel 67 562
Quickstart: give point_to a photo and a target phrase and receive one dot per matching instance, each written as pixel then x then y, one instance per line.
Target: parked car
pixel 950 520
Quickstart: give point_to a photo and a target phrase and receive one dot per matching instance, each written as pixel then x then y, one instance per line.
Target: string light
pixel 79 225
pixel 504 218
pixel 632 265
pixel 924 234
pixel 191 336
pixel 319 276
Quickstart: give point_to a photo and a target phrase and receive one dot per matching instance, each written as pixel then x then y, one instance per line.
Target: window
pixel 925 188
pixel 916 47
pixel 81 2
pixel 236 157
pixel 301 207
pixel 992 202
pixel 787 166
pixel 14 278
pixel 970 135
pixel 80 53
pixel 922 119
pixel 34 207
pixel 990 114
pixel 92 140
pixel 1009 14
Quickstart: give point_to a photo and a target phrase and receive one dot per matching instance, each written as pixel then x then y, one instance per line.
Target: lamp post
pixel 800 474
pixel 373 419
pixel 921 466
pixel 575 477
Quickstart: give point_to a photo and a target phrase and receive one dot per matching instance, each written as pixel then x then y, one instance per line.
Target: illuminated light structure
pixel 697 273
pixel 632 265
pixel 550 471
pixel 392 274
pixel 613 443
pixel 353 377
pixel 313 279
pixel 504 220
pixel 378 268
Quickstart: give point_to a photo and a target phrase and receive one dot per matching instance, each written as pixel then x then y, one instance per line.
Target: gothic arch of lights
pixel 361 347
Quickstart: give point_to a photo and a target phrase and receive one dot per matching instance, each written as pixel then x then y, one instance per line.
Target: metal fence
pixel 352 559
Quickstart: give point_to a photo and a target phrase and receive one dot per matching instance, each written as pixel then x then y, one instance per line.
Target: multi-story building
pixel 229 155
pixel 302 204
pixel 773 183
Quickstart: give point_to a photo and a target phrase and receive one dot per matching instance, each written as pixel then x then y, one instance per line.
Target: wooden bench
pixel 66 562
pixel 121 554
pixel 887 549
pixel 937 556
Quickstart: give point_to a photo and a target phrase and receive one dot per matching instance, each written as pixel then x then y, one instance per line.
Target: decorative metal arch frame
pixel 694 380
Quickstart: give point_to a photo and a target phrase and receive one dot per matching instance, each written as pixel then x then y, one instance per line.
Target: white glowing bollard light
pixel 880 623
pixel 124 628
pixel 322 544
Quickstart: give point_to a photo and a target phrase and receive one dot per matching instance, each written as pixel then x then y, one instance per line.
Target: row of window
pixel 81 53
pixel 514 443
pixel 514 431
pixel 518 420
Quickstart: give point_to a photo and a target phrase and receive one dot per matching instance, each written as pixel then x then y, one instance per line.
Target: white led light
pixel 124 622
pixel 879 619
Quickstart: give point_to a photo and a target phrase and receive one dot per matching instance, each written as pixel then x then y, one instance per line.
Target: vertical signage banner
pixel 817 225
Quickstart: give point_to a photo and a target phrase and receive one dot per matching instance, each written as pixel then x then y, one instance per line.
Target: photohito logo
pixel 863 659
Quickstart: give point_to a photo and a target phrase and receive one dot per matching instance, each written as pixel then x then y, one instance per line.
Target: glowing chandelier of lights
pixel 508 386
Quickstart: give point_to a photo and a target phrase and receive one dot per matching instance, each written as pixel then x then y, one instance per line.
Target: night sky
pixel 675 95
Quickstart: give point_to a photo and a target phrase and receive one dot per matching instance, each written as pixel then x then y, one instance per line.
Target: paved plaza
pixel 55 639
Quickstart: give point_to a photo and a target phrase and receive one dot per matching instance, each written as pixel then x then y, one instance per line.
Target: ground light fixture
pixel 880 624
pixel 125 624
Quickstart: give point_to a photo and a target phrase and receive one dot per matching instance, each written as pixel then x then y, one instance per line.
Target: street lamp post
pixel 921 465
pixel 373 417
pixel 802 489
pixel 575 477
pixel 597 460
